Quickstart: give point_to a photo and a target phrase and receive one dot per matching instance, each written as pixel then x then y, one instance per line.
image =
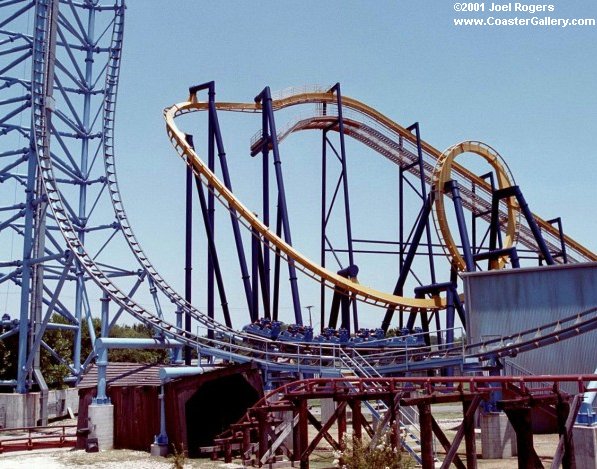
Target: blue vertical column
pixel 265 278
pixel 216 137
pixel 323 220
pixel 188 266
pixel 422 225
pixel 26 275
pixel 336 89
pixel 270 136
pixel 211 220
pixel 40 55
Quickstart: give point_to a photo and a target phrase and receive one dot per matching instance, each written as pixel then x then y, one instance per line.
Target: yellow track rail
pixel 443 173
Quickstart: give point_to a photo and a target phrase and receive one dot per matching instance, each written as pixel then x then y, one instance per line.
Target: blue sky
pixel 527 91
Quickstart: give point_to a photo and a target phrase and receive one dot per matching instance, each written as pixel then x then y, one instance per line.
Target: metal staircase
pixel 356 365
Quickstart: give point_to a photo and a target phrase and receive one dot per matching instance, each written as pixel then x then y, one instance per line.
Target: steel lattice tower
pixel 59 66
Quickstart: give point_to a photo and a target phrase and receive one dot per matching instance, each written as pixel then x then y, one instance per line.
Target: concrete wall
pixel 509 301
pixel 23 410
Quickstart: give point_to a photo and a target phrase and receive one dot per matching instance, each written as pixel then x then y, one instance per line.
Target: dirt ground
pixel 125 459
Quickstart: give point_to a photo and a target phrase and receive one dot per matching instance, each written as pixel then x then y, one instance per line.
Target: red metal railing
pixel 28 438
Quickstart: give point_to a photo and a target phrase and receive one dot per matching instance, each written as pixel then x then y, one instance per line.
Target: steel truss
pixel 60 59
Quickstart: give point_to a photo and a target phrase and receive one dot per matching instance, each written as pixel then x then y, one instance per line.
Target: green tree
pixel 8 356
pixel 61 342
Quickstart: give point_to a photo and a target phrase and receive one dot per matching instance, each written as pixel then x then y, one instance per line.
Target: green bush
pixel 358 454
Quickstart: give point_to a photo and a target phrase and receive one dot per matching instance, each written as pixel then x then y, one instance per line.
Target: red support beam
pixel 443 440
pixel 303 432
pixel 357 432
pixel 425 422
pixel 462 429
pixel 342 425
pixel 469 409
pixel 566 418
pixel 520 418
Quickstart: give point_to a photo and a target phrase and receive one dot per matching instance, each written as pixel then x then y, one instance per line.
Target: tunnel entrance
pixel 214 407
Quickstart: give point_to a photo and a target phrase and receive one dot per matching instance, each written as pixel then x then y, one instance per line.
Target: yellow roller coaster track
pixel 358 291
pixel 443 173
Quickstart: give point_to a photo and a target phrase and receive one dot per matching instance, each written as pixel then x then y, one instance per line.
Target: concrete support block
pixel 498 438
pixel 328 407
pixel 19 410
pixel 101 421
pixel 23 410
pixel 71 397
pixel 159 450
pixel 585 446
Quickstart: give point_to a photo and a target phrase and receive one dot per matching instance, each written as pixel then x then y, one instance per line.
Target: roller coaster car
pixel 265 328
pixel 406 337
pixel 7 324
pixel 295 333
pixel 417 337
pixel 368 338
pixel 333 336
pixel 376 338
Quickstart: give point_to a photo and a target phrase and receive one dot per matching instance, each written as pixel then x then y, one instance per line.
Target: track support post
pixel 270 139
pixel 215 136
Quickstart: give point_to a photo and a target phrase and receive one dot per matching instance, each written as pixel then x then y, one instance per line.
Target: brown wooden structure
pixel 261 437
pixel 197 407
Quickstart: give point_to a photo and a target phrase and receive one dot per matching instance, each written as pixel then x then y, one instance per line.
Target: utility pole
pixel 310 319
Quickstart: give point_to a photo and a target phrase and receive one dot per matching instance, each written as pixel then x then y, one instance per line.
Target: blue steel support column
pixel 188 289
pixel 102 365
pixel 217 135
pixel 276 287
pixel 211 220
pixel 105 315
pixel 416 128
pixel 412 251
pixel 264 287
pixel 255 249
pixel 162 438
pixel 323 219
pixel 336 89
pixel 265 99
pixel 558 221
pixel 265 279
pixel 26 276
pixel 259 285
pixel 177 352
pixel 474 215
pixel 401 234
pixel 452 186
pixel 494 224
pixel 422 225
pixel 40 53
pixel 211 246
pixel 55 110
pixel 84 167
pixel 450 315
pixel 514 191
